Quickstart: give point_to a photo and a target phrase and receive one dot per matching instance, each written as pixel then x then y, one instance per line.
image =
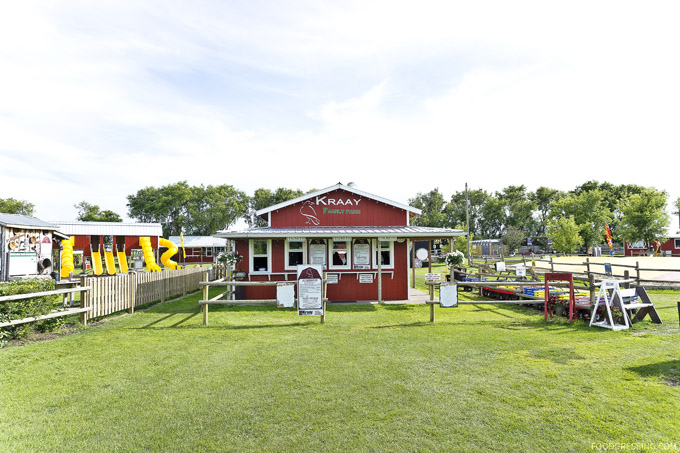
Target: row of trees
pixel 571 219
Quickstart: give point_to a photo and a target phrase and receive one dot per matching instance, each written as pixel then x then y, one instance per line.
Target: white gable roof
pixel 410 209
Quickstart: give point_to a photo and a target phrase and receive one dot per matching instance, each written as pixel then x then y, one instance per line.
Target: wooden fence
pixel 120 292
pixel 588 270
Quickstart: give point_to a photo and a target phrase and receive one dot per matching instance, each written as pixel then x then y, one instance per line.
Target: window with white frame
pixel 317 252
pixel 384 250
pixel 338 252
pixel 260 255
pixel 361 254
pixel 677 243
pixel 296 253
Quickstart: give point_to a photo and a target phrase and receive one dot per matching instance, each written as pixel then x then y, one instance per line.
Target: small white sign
pixel 500 266
pixel 365 278
pixel 332 279
pixel 433 277
pixel 387 239
pixel 448 295
pixel 520 270
pixel 285 295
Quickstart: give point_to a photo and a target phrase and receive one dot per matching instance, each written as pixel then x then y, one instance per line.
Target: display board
pixel 23 263
pixel 310 290
pixel 317 254
pixel 362 256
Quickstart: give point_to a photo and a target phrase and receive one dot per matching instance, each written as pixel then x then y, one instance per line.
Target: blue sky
pixel 101 99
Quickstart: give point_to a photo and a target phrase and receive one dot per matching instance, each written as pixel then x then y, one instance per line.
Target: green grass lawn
pixel 373 377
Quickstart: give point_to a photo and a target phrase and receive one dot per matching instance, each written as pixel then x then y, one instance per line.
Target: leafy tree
pixel 644 217
pixel 564 234
pixel 512 238
pixel 214 208
pixel 492 221
pixel 518 208
pixel 432 205
pixel 589 213
pixel 181 208
pixel 543 199
pixel 455 209
pixel 677 209
pixel 92 213
pixel 263 198
pixel 12 206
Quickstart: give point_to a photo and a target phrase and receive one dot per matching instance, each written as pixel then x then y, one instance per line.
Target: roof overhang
pixel 405 232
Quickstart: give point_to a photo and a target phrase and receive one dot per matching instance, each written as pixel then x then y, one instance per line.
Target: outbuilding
pixel 198 249
pixel 26 246
pixel 362 241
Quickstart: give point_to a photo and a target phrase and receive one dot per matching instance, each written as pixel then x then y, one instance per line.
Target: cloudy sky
pixel 101 99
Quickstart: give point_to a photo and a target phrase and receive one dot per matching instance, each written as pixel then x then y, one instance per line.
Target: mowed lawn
pixel 372 378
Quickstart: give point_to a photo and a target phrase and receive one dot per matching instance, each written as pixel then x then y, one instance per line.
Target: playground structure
pixel 106 264
pixel 67 266
pixel 171 251
pixel 149 259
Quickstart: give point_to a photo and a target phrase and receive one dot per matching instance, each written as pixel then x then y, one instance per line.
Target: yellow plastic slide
pixel 122 261
pixel 110 263
pixel 97 262
pixel 151 265
pixel 171 251
pixel 67 257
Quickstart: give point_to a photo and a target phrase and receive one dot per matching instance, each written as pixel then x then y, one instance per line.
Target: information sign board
pixel 365 278
pixel 433 277
pixel 310 290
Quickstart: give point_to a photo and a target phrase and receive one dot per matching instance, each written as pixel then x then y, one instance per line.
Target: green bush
pixel 19 309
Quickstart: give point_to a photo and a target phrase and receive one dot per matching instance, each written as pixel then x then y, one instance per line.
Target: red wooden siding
pixel 82 242
pixel 338 208
pixel 348 287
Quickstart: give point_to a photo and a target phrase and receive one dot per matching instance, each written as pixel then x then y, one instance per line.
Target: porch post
pixel 379 269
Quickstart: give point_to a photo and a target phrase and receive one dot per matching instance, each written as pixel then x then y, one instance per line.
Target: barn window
pixel 677 243
pixel 260 255
pixel 385 250
pixel 339 254
pixel 295 254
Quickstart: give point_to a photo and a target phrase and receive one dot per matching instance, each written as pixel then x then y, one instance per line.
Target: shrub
pixel 19 309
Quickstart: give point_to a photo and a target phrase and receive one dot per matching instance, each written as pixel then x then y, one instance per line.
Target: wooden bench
pixel 637 299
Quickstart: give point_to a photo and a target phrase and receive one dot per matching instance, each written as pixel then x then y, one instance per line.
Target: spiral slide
pixel 67 257
pixel 151 265
pixel 172 250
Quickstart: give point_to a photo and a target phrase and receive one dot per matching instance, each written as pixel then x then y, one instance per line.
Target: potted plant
pixel 454 259
pixel 231 259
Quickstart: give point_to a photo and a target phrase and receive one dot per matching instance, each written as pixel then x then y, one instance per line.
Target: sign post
pixel 310 290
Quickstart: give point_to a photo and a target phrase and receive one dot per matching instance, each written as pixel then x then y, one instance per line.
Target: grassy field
pixel 372 378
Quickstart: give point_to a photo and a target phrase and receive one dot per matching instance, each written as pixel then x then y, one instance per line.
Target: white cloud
pixel 102 99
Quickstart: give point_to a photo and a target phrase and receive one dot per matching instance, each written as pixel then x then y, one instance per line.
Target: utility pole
pixel 467 222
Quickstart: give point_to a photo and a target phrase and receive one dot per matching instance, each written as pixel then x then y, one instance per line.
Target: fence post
pixel 637 271
pixel 132 277
pixel 205 298
pixel 588 265
pixel 552 265
pixel 591 288
pixel 84 300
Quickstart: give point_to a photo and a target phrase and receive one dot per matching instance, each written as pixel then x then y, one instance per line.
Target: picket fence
pixel 120 292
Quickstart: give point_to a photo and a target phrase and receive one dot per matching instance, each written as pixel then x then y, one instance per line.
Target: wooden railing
pixel 126 291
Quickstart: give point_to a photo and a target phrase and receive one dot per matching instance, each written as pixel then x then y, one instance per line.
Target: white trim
pixel 287 251
pixel 348 252
pixel 251 257
pixel 377 254
pixel 336 187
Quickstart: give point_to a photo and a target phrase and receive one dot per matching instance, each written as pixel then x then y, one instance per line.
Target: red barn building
pixel 343 229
